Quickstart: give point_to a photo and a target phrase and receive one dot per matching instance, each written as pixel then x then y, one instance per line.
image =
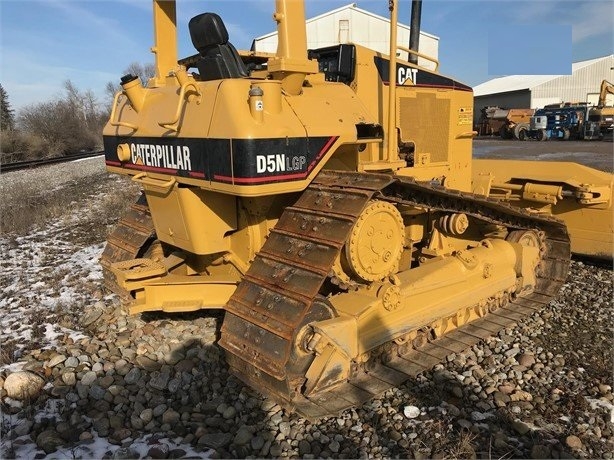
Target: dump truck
pixel 507 123
pixel 327 202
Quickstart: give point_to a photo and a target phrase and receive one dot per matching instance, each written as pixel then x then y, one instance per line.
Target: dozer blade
pixel 585 200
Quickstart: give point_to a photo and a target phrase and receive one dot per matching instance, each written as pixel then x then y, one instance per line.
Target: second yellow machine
pixel 324 200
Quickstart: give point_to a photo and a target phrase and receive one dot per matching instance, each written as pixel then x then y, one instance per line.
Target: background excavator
pixel 324 199
pixel 603 114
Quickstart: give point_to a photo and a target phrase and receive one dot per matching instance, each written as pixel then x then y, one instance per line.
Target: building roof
pixel 354 7
pixel 524 82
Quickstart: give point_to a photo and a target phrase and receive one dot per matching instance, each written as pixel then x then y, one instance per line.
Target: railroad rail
pixel 19 165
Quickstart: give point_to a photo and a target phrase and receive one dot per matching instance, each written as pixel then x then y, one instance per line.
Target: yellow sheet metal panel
pixel 191 219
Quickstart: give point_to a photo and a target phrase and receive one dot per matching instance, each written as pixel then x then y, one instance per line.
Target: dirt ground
pixel 596 154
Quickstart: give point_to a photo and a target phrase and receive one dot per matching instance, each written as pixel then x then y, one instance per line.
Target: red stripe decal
pixel 255 180
pixel 422 85
pixel 150 168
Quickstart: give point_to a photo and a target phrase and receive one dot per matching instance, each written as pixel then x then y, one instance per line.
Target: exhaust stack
pixel 414 31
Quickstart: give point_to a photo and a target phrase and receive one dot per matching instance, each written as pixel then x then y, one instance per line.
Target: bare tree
pixel 67 124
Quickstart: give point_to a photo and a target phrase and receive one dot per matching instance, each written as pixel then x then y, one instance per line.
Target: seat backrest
pixel 219 59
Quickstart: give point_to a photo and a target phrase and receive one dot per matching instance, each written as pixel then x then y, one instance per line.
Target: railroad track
pixel 18 165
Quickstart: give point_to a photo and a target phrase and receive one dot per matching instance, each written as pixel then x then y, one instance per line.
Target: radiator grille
pixel 425 120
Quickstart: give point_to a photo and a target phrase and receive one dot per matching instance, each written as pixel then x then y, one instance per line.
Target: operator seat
pixel 218 58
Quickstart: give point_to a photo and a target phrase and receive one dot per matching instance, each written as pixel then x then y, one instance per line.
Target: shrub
pixel 66 125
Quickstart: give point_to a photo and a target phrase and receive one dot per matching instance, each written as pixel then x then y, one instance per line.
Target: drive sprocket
pixel 376 241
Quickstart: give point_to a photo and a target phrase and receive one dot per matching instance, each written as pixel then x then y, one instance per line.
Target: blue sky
pixel 43 43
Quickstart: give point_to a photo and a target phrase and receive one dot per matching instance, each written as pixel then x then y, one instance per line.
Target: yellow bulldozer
pixel 328 202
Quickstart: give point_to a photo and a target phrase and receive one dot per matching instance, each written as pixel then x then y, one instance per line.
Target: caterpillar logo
pixel 406 73
pixel 161 156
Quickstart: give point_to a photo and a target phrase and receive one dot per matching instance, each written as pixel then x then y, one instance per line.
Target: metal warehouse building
pixel 535 91
pixel 350 24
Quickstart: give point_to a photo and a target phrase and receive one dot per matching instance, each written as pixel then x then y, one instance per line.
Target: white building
pixel 350 24
pixel 535 91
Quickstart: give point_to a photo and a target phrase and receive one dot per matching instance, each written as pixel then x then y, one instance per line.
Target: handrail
pixel 174 125
pixel 422 55
pixel 114 111
pixel 390 139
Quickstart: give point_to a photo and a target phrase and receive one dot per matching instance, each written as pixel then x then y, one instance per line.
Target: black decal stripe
pixel 424 78
pixel 322 152
pixel 211 159
pixel 282 177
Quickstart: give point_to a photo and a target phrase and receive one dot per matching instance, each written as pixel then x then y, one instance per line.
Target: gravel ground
pixel 156 385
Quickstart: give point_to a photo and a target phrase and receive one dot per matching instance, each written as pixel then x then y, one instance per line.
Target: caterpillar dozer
pixel 324 200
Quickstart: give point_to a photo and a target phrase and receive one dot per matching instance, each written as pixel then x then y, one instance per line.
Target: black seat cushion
pixel 207 29
pixel 219 59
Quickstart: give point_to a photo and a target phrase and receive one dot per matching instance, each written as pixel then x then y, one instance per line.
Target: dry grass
pixel 112 206
pixel 96 202
pixel 7 353
pixel 17 146
pixel 29 210
pixel 464 447
pixel 24 209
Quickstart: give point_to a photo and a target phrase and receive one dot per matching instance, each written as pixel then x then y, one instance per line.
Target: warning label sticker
pixel 465 116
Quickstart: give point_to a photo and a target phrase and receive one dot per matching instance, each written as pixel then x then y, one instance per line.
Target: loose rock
pixel 23 385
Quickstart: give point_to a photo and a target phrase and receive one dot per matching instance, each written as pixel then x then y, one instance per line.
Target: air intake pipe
pixel 291 65
pixel 133 88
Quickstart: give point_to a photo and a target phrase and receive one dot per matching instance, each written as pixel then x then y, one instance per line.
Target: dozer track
pixel 129 240
pixel 280 293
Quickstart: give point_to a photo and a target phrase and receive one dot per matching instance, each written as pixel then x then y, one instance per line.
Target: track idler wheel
pixel 527 238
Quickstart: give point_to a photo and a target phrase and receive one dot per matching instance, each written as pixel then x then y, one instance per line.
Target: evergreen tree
pixel 7 117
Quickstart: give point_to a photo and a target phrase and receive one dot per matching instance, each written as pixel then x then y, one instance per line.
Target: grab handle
pixel 143 179
pixel 114 122
pixel 174 125
pixel 467 135
pixel 422 55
